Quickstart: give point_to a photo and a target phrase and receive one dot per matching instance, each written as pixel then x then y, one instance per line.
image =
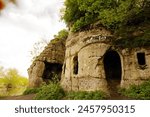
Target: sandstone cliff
pixel 49 61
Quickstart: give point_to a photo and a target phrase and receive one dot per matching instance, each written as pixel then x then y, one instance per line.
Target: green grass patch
pixel 31 91
pixel 54 91
pixel 138 92
pixel 50 92
pixel 84 95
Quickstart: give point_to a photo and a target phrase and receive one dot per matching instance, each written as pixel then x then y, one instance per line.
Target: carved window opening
pixel 141 58
pixel 75 65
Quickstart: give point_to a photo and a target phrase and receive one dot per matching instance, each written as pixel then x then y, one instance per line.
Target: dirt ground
pixel 115 96
pixel 22 97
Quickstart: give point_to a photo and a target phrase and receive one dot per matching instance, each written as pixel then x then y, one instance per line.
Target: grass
pixel 84 95
pixel 31 91
pixel 138 92
pixel 54 91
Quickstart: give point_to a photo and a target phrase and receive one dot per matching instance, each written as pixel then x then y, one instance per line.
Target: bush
pixel 54 91
pixel 132 43
pixel 111 13
pixel 83 95
pixel 11 83
pixel 31 91
pixel 50 92
pixel 55 78
pixel 62 35
pixel 137 92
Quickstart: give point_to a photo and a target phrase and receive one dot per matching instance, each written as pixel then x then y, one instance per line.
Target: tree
pixel 38 47
pixel 13 82
pixel 112 14
pixel 2 72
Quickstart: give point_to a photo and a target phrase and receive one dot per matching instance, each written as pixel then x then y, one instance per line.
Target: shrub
pixel 31 91
pixel 50 92
pixel 83 95
pixel 62 35
pixel 11 83
pixel 55 78
pixel 111 13
pixel 137 92
pixel 132 43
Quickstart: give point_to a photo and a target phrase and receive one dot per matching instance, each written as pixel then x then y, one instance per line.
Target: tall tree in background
pixel 38 47
pixel 112 14
pixel 11 83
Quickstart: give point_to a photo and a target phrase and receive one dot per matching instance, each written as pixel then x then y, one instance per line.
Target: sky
pixel 24 24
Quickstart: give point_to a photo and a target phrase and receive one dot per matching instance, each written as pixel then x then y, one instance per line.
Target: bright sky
pixel 24 24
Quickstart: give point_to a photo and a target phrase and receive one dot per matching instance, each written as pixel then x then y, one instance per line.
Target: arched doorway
pixel 112 67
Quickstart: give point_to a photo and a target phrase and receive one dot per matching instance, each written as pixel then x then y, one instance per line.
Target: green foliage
pixel 55 78
pixel 63 34
pixel 83 95
pixel 11 83
pixel 15 79
pixel 138 92
pixel 72 12
pixel 52 77
pixel 131 41
pixel 111 13
pixel 114 17
pixel 31 91
pixel 53 91
pixel 79 13
pixel 50 92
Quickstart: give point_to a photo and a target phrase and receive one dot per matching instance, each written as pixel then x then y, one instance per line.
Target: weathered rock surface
pixel 90 48
pixel 53 53
pixel 91 61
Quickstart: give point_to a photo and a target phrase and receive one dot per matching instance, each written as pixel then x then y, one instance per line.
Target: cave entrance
pixel 52 72
pixel 113 70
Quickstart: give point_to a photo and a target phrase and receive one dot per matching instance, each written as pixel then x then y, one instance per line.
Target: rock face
pixel 89 61
pixel 92 62
pixel 48 62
